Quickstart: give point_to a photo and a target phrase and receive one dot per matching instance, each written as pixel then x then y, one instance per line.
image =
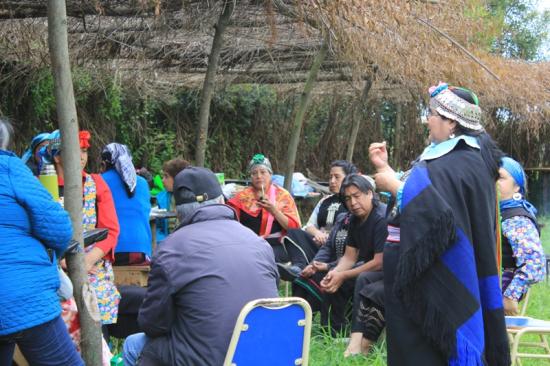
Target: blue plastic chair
pixel 271 332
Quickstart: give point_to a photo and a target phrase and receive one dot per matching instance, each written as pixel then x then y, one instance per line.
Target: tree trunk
pixel 209 79
pixel 357 117
pixel 397 146
pixel 68 124
pixel 305 99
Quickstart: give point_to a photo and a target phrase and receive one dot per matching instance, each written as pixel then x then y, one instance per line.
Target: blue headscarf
pixel 53 148
pixel 516 171
pixel 36 140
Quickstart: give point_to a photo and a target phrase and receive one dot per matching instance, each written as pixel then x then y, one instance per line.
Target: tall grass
pixel 327 351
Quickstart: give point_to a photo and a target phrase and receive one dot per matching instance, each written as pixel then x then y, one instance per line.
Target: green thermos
pixel 48 178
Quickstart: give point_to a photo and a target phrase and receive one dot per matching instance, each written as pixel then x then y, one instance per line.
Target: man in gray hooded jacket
pixel 201 276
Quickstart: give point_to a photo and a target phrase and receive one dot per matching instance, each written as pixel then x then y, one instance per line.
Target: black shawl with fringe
pixel 446 276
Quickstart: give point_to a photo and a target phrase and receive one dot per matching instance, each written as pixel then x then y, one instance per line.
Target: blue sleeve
pixel 49 222
pixel 146 204
pixel 530 260
pixel 399 196
pixel 324 254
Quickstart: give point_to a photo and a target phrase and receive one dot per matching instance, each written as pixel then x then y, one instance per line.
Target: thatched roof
pixel 417 43
pixel 160 44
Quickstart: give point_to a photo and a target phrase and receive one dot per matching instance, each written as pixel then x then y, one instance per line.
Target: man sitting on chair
pixel 200 278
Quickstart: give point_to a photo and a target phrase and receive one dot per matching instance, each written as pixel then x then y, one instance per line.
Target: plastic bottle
pixel 48 178
pixel 117 360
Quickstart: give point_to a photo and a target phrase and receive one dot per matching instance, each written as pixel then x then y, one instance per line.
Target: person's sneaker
pixel 288 272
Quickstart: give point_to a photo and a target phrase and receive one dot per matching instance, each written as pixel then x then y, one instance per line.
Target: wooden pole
pixel 305 99
pixel 357 117
pixel 397 146
pixel 209 80
pixel 68 125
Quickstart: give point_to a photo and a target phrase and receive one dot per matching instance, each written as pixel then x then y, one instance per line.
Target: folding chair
pixel 519 326
pixel 271 332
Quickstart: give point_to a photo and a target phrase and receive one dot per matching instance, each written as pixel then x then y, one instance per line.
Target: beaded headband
pixel 451 106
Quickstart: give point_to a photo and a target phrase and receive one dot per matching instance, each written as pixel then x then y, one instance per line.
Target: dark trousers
pixel 128 309
pixel 335 308
pixel 368 305
pixel 281 256
pixel 300 247
pixel 47 344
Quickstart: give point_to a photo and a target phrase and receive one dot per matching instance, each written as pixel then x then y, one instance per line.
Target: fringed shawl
pixel 447 276
pixel 246 201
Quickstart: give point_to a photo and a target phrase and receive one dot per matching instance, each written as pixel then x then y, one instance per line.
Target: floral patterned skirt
pixel 107 294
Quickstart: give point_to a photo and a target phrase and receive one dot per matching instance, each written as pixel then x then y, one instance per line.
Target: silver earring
pixel 516 196
pixel 452 135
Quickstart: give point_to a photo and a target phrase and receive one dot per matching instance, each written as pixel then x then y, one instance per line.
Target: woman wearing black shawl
pixel 443 302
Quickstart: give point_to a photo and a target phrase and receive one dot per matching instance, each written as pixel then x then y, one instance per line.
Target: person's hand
pixel 319 266
pixel 63 264
pixel 332 281
pixel 267 205
pixel 510 307
pixel 386 180
pixel 378 155
pixel 92 258
pixel 308 271
pixel 320 238
pixel 93 270
pixel 313 268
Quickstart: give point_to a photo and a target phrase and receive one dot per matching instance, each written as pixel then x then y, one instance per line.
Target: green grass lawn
pixel 325 351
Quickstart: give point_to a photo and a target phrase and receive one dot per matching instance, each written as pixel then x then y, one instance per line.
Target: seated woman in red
pixel 265 208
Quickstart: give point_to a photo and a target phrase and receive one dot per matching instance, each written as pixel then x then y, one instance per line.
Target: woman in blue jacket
pixel 32 226
pixel 132 203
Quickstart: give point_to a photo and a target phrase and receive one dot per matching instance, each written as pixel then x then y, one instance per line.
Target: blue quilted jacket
pixel 30 222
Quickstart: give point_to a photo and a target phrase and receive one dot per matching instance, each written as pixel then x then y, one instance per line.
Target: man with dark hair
pixel 362 259
pixel 195 290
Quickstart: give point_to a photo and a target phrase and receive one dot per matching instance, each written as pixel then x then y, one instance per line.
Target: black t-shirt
pixel 370 235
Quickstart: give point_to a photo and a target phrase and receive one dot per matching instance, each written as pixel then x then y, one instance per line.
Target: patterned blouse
pixel 103 281
pixel 525 241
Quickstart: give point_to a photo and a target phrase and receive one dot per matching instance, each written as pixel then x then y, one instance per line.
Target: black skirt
pixel 406 344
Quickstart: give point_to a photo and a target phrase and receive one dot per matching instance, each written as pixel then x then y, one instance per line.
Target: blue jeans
pixel 47 344
pixel 133 345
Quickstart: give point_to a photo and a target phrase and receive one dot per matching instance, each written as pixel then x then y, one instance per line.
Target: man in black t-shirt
pixel 363 254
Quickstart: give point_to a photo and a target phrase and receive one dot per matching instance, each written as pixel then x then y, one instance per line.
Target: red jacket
pixel 106 215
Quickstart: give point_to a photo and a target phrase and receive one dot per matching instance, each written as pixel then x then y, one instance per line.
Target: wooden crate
pixel 131 275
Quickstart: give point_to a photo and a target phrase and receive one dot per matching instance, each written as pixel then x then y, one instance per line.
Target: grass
pixel 326 351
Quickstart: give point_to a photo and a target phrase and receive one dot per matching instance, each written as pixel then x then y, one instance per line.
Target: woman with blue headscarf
pixel 523 259
pixel 31 156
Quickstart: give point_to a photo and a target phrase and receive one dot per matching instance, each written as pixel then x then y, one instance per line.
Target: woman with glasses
pixel 442 296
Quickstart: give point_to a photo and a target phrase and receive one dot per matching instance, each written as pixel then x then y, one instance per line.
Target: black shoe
pixel 288 272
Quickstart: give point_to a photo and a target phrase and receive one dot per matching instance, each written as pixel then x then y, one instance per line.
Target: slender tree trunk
pixel 305 99
pixel 68 124
pixel 357 117
pixel 209 79
pixel 397 146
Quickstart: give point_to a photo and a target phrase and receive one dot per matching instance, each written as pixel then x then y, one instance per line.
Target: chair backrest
pixel 524 303
pixel 271 332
